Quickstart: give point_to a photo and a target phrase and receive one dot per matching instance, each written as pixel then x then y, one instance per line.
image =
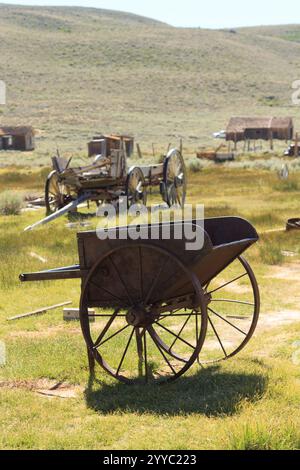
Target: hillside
pixel 71 72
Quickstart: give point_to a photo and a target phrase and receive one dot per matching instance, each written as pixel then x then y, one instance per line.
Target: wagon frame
pixel 107 180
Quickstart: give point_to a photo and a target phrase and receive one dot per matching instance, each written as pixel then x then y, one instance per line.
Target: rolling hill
pixel 72 72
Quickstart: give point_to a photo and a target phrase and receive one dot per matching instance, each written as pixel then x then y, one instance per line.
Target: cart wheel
pixel 143 335
pixel 233 312
pixel 56 195
pixel 174 178
pixel 136 190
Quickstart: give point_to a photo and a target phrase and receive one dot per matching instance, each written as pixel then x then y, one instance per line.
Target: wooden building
pixel 104 144
pixel 259 128
pixel 17 138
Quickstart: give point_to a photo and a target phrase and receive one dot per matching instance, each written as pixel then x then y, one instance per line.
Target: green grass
pixel 250 402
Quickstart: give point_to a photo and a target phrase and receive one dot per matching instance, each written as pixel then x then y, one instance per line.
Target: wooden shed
pixel 17 138
pixel 259 128
pixel 104 144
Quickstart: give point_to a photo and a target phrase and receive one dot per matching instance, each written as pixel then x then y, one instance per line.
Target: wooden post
pixel 235 142
pixel 297 145
pixel 181 146
pixel 139 151
pixel 271 141
pixel 153 150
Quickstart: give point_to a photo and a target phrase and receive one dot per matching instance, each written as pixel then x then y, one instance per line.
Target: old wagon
pixel 159 306
pixel 108 179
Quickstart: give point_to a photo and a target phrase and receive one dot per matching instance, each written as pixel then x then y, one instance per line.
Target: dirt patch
pixel 45 387
pixel 274 320
pixel 288 273
pixel 213 345
pixel 52 331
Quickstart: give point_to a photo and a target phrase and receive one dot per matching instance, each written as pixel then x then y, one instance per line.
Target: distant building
pixel 17 138
pixel 259 128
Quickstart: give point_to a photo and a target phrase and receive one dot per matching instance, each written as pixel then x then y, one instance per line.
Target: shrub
pixel 10 203
pixel 271 253
pixel 195 166
pixel 287 186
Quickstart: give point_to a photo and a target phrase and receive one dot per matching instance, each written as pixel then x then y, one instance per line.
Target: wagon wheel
pixel 135 189
pixel 233 312
pixel 56 194
pixel 142 338
pixel 174 177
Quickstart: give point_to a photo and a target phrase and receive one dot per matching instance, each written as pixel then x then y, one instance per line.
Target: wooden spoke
pixel 218 337
pixel 226 321
pixel 95 315
pixel 141 272
pixel 154 284
pixel 112 336
pixel 183 327
pixel 231 301
pixel 105 290
pixel 176 336
pixel 121 280
pixel 125 351
pixel 140 351
pixel 163 355
pixel 228 283
pixel 106 328
pixel 145 357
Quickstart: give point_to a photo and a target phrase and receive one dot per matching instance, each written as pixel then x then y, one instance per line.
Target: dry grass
pixel 88 71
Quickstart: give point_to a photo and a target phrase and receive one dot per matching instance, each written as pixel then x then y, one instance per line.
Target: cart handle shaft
pixel 71 272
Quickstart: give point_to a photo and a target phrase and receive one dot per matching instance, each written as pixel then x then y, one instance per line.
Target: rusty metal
pixel 158 305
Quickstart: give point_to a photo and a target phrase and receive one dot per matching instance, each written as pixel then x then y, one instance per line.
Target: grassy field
pixel 251 402
pixel 73 73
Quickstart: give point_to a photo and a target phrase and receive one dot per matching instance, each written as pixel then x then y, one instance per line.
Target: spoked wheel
pixel 233 312
pixel 146 333
pixel 175 179
pixel 56 194
pixel 136 190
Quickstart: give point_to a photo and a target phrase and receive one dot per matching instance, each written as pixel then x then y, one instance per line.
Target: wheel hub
pixel 138 316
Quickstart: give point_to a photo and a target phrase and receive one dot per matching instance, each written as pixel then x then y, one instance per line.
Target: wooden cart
pixel 160 307
pixel 108 179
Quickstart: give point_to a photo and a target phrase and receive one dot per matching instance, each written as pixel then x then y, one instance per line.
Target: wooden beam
pixel 39 311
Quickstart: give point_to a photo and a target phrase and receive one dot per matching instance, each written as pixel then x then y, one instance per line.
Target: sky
pixel 196 13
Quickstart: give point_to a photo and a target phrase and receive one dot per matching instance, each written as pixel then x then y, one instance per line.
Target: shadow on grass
pixel 210 392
